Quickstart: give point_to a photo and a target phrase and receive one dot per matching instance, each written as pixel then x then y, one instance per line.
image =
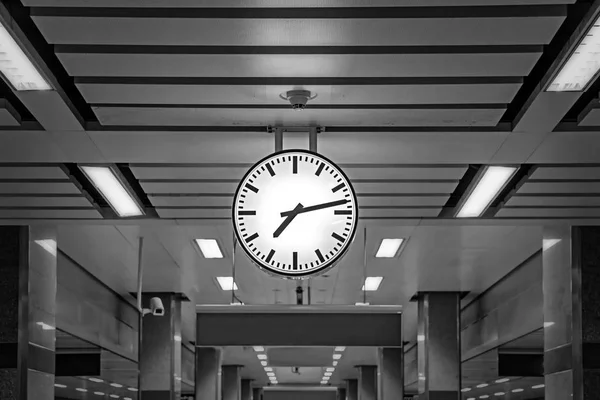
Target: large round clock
pixel 295 213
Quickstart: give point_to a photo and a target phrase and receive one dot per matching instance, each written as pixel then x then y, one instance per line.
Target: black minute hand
pixel 314 208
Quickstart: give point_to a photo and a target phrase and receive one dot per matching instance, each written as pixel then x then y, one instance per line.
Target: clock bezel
pixel 329 264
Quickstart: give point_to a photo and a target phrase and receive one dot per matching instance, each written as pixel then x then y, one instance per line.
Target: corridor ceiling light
pixel 361 304
pixel 465 390
pixel 482 385
pixel 538 386
pixel 45 327
pixel 113 190
pixel 337 356
pixel 485 396
pixel 335 363
pixel 327 374
pixel 547 243
pixel 47 244
pixel 16 67
pixel 389 248
pixel 114 396
pixel 264 363
pixel 131 389
pixel 259 349
pixel 227 283
pixel 329 369
pixel 372 283
pixel 261 356
pixel 126 398
pixel 268 369
pixel 97 380
pixel 81 389
pixel 117 385
pixel 502 380
pixel 339 349
pixel 581 66
pixel 209 248
pixel 492 181
pixel 548 324
pixel 99 393
pixel 271 374
pixel 499 394
pixel 517 390
pixel 323 382
pixel 59 385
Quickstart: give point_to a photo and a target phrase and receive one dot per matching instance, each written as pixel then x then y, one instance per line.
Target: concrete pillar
pixel 160 355
pixel 341 393
pixel 246 389
pixel 231 382
pixel 257 393
pixel 27 312
pixel 438 346
pixel 208 373
pixel 367 382
pixel 391 373
pixel 352 389
pixel 571 277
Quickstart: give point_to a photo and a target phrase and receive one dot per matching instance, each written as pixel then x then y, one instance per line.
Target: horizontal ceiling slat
pixel 261 94
pixel 529 201
pixel 353 172
pixel 280 3
pixel 562 187
pixel 44 202
pixel 229 188
pixel 62 214
pixel 549 213
pixel 226 201
pixel 290 32
pixel 284 65
pixel 547 173
pixel 39 187
pixel 22 172
pixel 368 213
pixel 132 116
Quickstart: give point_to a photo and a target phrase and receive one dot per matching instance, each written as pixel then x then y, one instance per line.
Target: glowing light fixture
pixel 117 385
pixel 482 385
pixel 209 248
pixel 339 349
pixel 547 243
pixel 262 356
pixel 491 183
pixel 517 390
pixel 581 66
pixel 259 349
pixel 465 390
pixel 131 389
pixel 113 190
pixel 502 380
pixel 59 385
pixel 47 244
pixel 16 67
pixel 330 369
pixel 538 386
pixel 389 248
pixel 337 356
pixel 99 393
pixel 227 283
pixel 335 363
pixel 485 396
pixel 264 363
pixel 97 380
pixel 81 389
pixel 499 394
pixel 372 283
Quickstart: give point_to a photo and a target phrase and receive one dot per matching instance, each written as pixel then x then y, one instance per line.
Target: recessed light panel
pixel 227 283
pixel 372 283
pixel 489 186
pixel 209 248
pixel 113 191
pixel 389 248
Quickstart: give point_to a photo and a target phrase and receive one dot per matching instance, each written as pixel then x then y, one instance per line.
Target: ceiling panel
pixel 8 118
pixel 261 94
pixel 290 32
pixel 560 187
pixel 534 201
pixel 549 213
pixel 50 214
pixel 363 213
pixel 580 172
pixel 39 187
pixel 307 65
pixel 281 3
pixel 27 172
pixel 592 118
pixel 226 201
pixel 229 188
pixel 16 201
pixel 148 116
pixel 353 171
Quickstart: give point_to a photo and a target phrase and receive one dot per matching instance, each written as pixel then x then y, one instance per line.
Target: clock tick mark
pixel 253 188
pixel 342 212
pixel 319 255
pixel 337 237
pixel 320 169
pixel 295 165
pixel 247 212
pixel 338 187
pixel 295 260
pixel 271 171
pixel 270 256
pixel 251 238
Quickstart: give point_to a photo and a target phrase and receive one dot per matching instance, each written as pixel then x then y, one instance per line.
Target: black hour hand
pixel 315 207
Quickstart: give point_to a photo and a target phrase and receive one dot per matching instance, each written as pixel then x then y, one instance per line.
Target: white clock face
pixel 295 213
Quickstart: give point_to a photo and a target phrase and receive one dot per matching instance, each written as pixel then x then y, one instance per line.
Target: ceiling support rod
pixel 312 139
pixel 278 139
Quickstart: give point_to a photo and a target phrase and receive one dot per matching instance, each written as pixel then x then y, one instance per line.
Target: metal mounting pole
pixel 312 139
pixel 278 139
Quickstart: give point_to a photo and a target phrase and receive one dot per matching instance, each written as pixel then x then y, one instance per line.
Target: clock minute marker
pixel 342 212
pixel 294 165
pixel 251 238
pixel 320 169
pixel 320 255
pixel 271 171
pixel 338 187
pixel 337 237
pixel 270 256
pixel 295 260
pixel 251 187
pixel 247 212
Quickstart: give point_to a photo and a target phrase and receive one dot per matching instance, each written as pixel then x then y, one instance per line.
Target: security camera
pixel 298 98
pixel 156 307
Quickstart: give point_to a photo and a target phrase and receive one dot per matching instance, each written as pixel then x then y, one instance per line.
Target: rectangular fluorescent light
pixel 362 304
pixel 113 191
pixel 259 349
pixel 262 356
pixel 339 349
pixel 16 67
pixel 491 183
pixel 581 66
pixel 209 248
pixel 547 243
pixel 389 248
pixel 337 356
pixel 372 283
pixel 264 363
pixel 227 283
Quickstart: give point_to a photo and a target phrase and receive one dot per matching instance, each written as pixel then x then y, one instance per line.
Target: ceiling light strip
pixel 488 187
